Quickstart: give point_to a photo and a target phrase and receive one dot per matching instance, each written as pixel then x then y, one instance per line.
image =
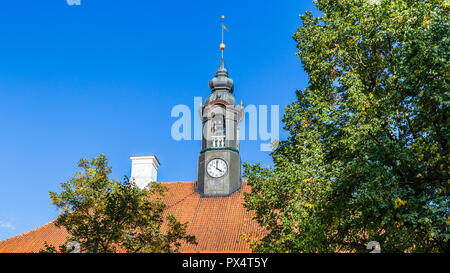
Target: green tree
pixel 367 154
pixel 103 215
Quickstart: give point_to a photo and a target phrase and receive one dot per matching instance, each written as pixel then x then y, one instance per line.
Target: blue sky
pixel 77 81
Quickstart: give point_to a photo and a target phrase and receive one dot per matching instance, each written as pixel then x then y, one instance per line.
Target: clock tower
pixel 219 162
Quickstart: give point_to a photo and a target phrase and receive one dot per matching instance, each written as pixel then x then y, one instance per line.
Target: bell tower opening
pixel 218 131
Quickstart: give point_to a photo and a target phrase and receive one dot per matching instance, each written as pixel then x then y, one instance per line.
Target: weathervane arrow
pixel 224 27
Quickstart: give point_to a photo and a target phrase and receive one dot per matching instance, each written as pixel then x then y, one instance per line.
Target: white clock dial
pixel 217 168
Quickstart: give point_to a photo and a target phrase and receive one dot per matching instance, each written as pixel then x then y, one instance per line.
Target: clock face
pixel 217 168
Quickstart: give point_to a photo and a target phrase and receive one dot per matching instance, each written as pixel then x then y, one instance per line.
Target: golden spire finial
pixel 222 45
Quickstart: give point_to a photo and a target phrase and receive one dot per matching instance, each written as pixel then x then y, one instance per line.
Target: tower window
pixel 218 131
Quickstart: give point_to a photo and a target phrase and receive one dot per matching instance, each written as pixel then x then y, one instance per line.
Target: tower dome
pixel 221 82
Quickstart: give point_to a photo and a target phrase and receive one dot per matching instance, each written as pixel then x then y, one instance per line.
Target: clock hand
pixel 217 167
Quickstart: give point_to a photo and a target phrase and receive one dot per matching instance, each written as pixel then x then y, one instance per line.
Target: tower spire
pixel 222 44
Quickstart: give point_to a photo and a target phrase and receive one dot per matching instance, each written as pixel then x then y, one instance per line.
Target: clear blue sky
pixel 77 81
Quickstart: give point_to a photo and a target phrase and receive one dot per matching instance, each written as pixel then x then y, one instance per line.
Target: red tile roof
pixel 216 222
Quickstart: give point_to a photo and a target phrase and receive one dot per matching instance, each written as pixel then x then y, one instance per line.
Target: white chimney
pixel 144 169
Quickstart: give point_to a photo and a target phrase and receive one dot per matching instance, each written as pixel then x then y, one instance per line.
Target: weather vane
pixel 224 27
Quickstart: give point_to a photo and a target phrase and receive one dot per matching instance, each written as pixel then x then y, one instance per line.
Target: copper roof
pixel 216 222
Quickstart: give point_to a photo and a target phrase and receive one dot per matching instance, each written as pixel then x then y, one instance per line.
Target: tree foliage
pixel 367 154
pixel 103 215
